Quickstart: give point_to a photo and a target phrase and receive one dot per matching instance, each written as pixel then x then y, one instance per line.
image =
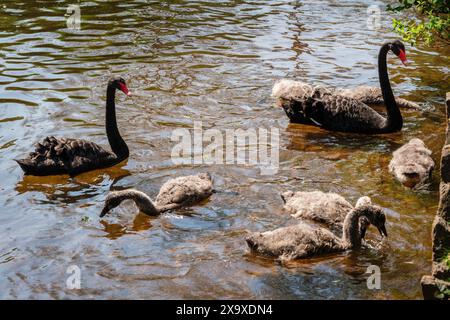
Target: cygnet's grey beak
pixel 363 232
pixel 251 244
pixel 383 231
pixel 104 211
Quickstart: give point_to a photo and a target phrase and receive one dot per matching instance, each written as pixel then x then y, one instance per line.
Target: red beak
pixel 124 89
pixel 402 57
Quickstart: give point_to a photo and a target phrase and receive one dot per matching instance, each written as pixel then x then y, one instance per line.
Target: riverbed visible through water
pixel 214 62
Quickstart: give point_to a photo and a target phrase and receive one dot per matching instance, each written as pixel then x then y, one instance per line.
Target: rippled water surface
pixel 213 61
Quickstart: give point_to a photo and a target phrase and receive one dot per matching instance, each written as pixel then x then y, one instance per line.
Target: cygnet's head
pixel 287 195
pixel 205 176
pixel 115 198
pixel 416 142
pixel 376 217
pixel 112 200
pixel 363 201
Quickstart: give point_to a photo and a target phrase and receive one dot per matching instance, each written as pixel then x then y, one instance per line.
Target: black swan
pixel 324 108
pixel 412 164
pixel 327 208
pixel 175 193
pixel 303 241
pixel 73 156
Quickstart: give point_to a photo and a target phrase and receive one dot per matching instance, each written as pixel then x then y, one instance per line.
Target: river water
pixel 214 62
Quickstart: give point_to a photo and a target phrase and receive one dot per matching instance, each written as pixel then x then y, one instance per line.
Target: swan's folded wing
pixel 79 154
pixel 184 190
pixel 88 148
pixel 373 95
pixel 294 242
pixel 179 190
pixel 173 193
pixel 60 155
pixel 365 94
pixel 336 112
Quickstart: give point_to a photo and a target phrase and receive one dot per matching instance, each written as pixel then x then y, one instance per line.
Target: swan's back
pixel 296 90
pixel 366 94
pixel 185 190
pixel 326 108
pixel 412 164
pixel 328 208
pixel 286 89
pixel 294 242
pixel 61 155
pixel 374 96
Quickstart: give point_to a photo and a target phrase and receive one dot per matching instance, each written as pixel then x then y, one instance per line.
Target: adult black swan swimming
pixel 330 110
pixel 73 156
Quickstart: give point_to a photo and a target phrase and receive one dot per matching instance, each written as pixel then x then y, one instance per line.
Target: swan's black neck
pixel 394 118
pixel 118 146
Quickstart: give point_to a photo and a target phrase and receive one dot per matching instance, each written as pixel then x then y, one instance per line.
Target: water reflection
pixel 141 222
pixel 64 189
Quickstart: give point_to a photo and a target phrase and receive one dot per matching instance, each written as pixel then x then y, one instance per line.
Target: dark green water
pixel 213 61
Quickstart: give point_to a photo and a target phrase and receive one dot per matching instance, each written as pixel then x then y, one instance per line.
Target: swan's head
pixel 252 244
pixel 114 199
pixel 411 175
pixel 205 176
pixel 416 142
pixel 363 201
pixel 287 195
pixel 398 48
pixel 119 84
pixel 376 216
